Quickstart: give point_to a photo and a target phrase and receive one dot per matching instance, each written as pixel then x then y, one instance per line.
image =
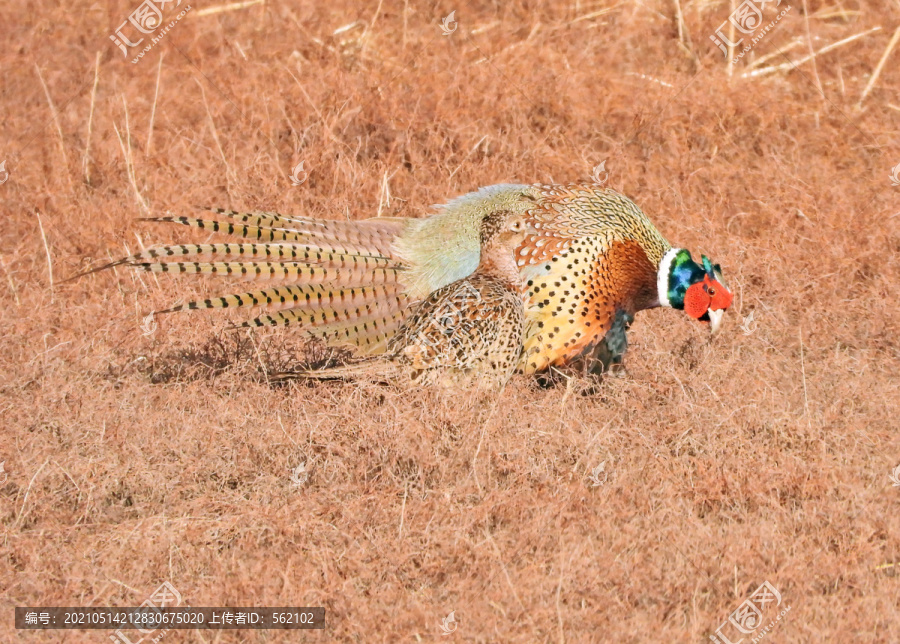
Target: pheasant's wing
pixel 595 256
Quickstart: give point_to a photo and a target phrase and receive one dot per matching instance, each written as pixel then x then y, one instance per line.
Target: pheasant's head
pixel 506 228
pixel 501 232
pixel 697 289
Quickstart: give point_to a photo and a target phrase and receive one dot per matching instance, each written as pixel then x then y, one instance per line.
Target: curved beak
pixel 715 319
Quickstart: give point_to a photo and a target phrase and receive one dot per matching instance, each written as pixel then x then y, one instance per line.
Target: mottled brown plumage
pixel 466 334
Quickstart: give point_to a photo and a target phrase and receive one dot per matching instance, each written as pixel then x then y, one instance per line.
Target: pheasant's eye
pixel 711 291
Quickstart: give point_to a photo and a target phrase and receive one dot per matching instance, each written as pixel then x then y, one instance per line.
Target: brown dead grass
pixel 135 459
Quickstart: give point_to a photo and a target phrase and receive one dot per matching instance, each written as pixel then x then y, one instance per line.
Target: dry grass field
pixel 136 455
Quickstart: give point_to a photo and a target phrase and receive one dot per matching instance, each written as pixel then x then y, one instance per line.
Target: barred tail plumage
pixel 371 232
pixel 341 281
pixel 368 237
pixel 315 297
pixel 369 330
pixel 364 272
pixel 298 253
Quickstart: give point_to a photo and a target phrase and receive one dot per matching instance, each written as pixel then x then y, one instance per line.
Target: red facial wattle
pixel 707 301
pixel 697 299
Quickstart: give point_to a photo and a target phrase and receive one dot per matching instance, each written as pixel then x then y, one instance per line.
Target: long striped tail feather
pixel 259 233
pixel 283 252
pixel 382 229
pixel 361 316
pixel 378 233
pixel 354 239
pixel 339 281
pixel 275 298
pixel 368 331
pixel 328 317
pixel 287 272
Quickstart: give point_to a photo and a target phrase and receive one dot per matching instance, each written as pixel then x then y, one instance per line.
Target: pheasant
pixel 466 334
pixel 591 261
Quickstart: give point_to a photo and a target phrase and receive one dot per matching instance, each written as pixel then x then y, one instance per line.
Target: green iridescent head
pixel 696 289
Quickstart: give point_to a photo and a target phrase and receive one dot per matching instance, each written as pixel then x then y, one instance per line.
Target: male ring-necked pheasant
pixel 466 334
pixel 592 261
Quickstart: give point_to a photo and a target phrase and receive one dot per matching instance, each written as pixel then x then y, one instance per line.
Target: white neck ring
pixel 662 276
